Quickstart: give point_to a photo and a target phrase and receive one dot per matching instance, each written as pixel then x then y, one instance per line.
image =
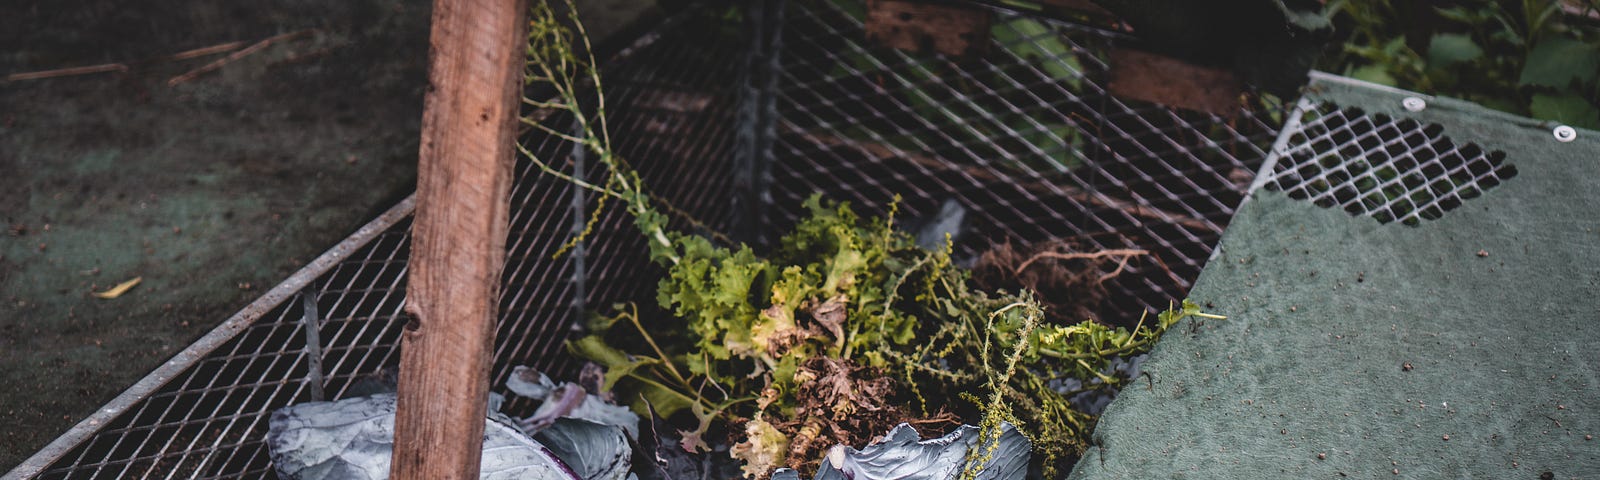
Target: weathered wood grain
pixel 458 238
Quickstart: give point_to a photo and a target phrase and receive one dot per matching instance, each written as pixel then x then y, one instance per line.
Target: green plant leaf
pixel 1461 14
pixel 613 374
pixel 1373 73
pixel 1556 61
pixel 662 401
pixel 1042 46
pixel 594 348
pixel 1569 109
pixel 1447 49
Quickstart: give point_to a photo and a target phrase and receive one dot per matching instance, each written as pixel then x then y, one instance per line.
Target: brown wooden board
pixel 1168 81
pixel 921 26
pixel 458 238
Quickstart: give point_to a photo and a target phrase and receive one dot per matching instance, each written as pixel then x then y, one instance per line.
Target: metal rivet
pixel 1565 133
pixel 1414 104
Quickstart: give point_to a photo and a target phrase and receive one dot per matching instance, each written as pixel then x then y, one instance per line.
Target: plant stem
pixel 634 318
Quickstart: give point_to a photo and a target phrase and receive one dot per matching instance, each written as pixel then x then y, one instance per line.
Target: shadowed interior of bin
pixel 1033 148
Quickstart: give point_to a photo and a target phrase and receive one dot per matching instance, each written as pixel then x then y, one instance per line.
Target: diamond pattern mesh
pixel 1027 139
pixel 1391 169
pixel 675 105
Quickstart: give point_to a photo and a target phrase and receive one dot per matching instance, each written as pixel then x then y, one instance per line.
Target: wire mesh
pixel 1387 168
pixel 1027 139
pixel 674 105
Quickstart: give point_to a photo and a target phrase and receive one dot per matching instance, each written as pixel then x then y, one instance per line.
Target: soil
pixel 211 191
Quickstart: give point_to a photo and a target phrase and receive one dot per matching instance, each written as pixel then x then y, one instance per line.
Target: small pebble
pixel 1483 253
pixel 1405 366
pixel 1588 437
pixel 1447 438
pixel 1322 456
pixel 1396 471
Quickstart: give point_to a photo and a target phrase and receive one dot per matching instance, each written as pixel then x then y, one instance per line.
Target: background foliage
pixel 1539 58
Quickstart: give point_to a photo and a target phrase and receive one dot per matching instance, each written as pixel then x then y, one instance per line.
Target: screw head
pixel 1565 133
pixel 1414 104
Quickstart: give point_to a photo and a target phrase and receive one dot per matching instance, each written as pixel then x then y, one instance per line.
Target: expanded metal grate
pixel 1028 142
pixel 1391 169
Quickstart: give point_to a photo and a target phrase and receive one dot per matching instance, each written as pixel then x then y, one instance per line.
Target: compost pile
pixel 843 331
pixel 830 356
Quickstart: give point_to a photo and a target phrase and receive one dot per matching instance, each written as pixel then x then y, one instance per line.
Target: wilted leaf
pixel 353 439
pixel 762 449
pixel 831 315
pixel 530 383
pixel 567 400
pixel 903 455
pixel 591 408
pixel 595 451
pixel 120 289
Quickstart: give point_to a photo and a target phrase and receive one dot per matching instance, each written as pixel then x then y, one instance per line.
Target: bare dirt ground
pixel 212 190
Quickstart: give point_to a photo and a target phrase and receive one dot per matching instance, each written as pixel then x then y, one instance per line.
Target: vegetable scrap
pixel 847 328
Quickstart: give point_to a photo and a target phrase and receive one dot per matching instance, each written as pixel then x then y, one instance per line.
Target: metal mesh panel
pixel 209 420
pixel 671 109
pixel 1026 138
pixel 1034 148
pixel 1384 167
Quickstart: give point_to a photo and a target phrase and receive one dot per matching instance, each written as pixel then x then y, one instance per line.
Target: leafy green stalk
pixel 845 302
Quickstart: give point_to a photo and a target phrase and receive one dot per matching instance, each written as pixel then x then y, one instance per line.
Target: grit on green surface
pixel 1306 377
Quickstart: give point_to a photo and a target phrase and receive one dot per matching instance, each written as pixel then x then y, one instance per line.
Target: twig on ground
pixel 201 52
pixel 256 47
pixel 68 72
pixel 123 67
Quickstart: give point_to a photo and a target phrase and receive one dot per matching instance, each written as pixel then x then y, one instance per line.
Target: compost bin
pixel 733 123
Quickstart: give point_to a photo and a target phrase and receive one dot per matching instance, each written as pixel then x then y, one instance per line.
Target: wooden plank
pixel 458 238
pixel 918 26
pixel 1168 81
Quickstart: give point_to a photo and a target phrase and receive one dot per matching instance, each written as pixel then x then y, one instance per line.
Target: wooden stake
pixel 458 238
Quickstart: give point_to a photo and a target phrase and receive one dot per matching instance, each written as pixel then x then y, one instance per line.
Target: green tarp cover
pixel 1462 347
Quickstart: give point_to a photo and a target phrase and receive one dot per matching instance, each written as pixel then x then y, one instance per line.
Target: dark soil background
pixel 212 190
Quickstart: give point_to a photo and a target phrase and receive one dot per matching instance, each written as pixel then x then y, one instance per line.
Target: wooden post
pixel 458 238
